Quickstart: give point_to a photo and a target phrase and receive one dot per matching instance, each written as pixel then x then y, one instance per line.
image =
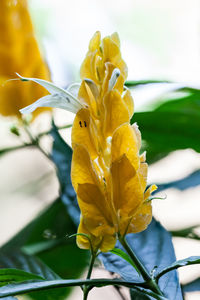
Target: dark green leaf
pixel 15 275
pixel 154 249
pixel 46 235
pixel 192 286
pixel 138 295
pixel 187 233
pixel 51 225
pixel 192 260
pixel 33 265
pixel 62 156
pixel 192 180
pixel 23 262
pixel 164 132
pixel 125 256
pixel 172 125
pixel 134 83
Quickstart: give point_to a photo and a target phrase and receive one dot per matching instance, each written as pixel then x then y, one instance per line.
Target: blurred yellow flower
pixel 19 52
pixel 108 173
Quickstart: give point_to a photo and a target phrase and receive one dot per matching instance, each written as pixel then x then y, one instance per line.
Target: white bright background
pixel 159 39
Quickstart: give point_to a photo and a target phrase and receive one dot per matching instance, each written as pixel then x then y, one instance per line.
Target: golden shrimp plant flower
pixel 108 172
pixel 19 52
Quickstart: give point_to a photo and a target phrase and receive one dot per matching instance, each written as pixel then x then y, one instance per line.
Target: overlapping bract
pixel 19 52
pixel 108 173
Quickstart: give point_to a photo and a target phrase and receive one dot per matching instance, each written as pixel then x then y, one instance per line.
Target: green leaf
pixel 187 233
pixel 51 225
pixel 192 180
pixel 164 132
pixel 15 275
pixel 154 249
pixel 62 157
pixel 26 263
pixel 138 295
pixel 33 265
pixel 134 83
pixel 125 256
pixel 46 237
pixel 192 260
pixel 173 123
pixel 192 286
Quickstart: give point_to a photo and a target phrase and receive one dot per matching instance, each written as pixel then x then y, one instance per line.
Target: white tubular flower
pixel 58 98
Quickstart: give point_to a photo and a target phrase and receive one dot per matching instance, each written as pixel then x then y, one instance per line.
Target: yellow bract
pixel 19 52
pixel 108 173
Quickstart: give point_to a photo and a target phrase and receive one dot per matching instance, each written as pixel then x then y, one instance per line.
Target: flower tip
pixel 115 74
pixel 21 77
pixel 26 110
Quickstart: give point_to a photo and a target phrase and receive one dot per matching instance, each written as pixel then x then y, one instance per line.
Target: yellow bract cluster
pixel 108 173
pixel 19 52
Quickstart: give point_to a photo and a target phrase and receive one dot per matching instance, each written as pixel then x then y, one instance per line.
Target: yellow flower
pixel 108 172
pixel 99 53
pixel 19 52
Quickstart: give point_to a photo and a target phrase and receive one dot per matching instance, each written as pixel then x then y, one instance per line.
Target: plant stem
pixel 86 292
pixel 150 282
pixel 49 131
pixel 93 256
pixel 33 142
pixel 28 287
pixel 86 289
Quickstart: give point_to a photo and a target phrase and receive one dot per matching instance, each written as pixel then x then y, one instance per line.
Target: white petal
pixel 113 79
pixel 57 101
pixel 58 94
pixel 49 86
pixel 73 89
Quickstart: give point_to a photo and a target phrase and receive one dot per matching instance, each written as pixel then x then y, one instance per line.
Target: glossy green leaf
pixel 15 275
pixel 154 249
pixel 125 256
pixel 26 263
pixel 192 260
pixel 191 180
pixel 138 295
pixel 31 264
pixel 187 233
pixel 172 124
pixel 192 286
pixel 62 156
pixel 164 132
pixel 134 83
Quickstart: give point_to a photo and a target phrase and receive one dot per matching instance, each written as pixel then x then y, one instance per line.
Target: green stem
pixel 86 289
pixel 9 149
pixel 93 257
pixel 150 282
pixel 49 131
pixel 25 288
pixel 86 292
pixel 33 142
